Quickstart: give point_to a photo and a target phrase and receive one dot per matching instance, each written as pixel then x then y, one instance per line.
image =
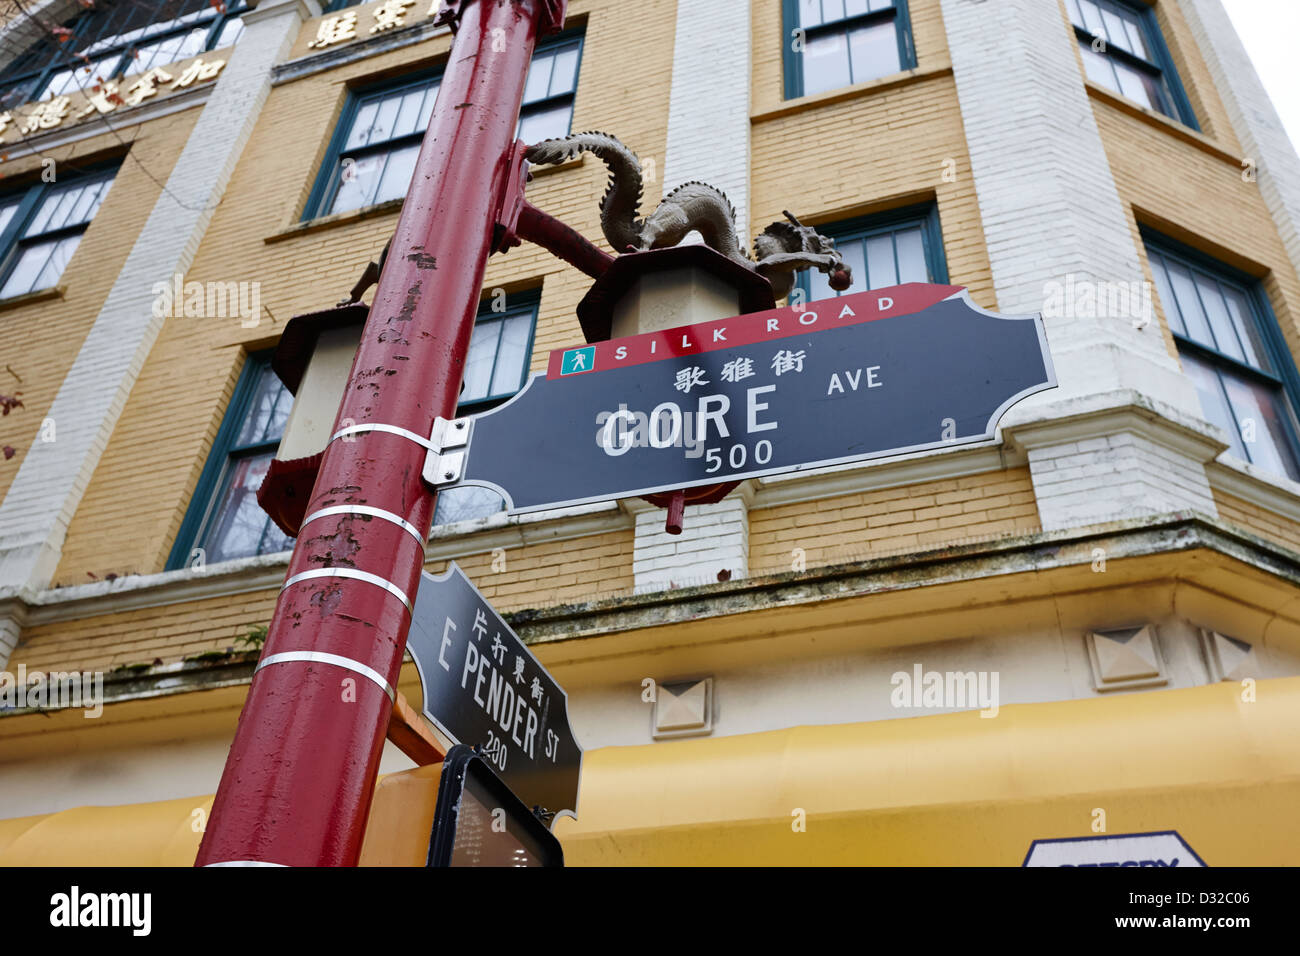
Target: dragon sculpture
pixel 779 251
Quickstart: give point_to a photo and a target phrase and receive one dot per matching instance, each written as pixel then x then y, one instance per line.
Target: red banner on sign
pixel 747 329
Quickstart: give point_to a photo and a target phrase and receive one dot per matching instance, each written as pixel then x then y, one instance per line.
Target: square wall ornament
pixel 1228 658
pixel 683 709
pixel 1126 658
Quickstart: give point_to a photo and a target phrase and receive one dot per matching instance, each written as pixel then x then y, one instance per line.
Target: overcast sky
pixel 1269 29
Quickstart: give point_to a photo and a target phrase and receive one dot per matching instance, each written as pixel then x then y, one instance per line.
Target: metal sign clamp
pixel 448 447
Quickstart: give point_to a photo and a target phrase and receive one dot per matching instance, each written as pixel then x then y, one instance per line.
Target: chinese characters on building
pixel 107 96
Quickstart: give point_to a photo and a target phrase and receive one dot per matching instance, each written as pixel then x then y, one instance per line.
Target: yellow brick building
pixel 1122 562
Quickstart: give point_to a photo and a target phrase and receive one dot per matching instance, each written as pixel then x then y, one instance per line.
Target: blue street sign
pixel 862 376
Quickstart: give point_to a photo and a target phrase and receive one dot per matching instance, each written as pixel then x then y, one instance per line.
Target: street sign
pixel 1163 849
pixel 482 686
pixel 869 375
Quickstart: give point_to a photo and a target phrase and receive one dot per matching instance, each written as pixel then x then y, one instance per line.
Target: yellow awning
pixel 953 789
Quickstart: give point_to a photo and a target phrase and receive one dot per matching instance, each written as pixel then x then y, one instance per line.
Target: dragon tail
pixel 622 200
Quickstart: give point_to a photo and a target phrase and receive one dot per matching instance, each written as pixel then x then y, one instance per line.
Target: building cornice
pixel 988 559
pixel 1242 480
pixel 993 558
pixel 1110 413
pixel 934 465
pixel 335 57
pixel 266 572
pixel 99 125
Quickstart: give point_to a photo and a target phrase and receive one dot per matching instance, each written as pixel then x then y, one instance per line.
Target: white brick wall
pixel 708 108
pixel 1052 215
pixel 1047 198
pixel 1253 117
pixel 708 140
pixel 39 505
pixel 714 538
pixel 1136 475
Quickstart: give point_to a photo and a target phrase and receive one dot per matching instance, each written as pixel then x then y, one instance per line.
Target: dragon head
pixel 794 236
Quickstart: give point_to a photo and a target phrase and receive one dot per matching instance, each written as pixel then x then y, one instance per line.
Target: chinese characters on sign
pixel 342 27
pixel 483 687
pixel 106 96
pixel 886 372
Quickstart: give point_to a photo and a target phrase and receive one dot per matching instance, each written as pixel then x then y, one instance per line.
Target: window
pixel 335 5
pixel 115 38
pixel 40 228
pixel 224 518
pixel 904 245
pixel 1232 349
pixel 377 156
pixel 548 94
pixel 372 156
pixel 1123 51
pixel 835 43
pixel 499 355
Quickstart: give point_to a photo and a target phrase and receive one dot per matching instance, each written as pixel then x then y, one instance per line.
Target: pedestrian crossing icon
pixel 578 360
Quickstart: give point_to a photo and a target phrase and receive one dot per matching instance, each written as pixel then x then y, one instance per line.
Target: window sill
pixel 858 90
pixel 384 208
pixel 1273 493
pixel 40 295
pixel 535 171
pixel 1162 122
pixel 335 219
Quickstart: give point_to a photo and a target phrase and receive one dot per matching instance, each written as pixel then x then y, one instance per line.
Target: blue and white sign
pixel 1163 849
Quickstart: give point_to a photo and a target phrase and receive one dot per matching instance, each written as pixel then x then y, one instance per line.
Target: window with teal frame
pixel 500 353
pixel 1233 350
pixel 224 519
pixel 903 245
pixel 835 43
pixel 113 38
pixel 1123 50
pixel 373 151
pixel 41 227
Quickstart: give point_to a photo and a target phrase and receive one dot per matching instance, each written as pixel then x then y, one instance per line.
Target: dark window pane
pixel 31 263
pixel 267 412
pixel 358 182
pixel 466 504
pixel 881 270
pixel 539 78
pixel 1259 410
pixel 512 355
pixel 1247 327
pixel 565 75
pixel 481 361
pixel 873 52
pixel 239 527
pixel 911 256
pixel 1214 404
pixel 1167 300
pixel 396 179
pixel 550 123
pixel 1189 304
pixel 826 63
pixel 1092 17
pixel 1225 336
pixel 1072 9
pixel 1098 67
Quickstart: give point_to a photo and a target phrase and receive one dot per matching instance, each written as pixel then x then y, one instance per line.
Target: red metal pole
pixel 298 781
